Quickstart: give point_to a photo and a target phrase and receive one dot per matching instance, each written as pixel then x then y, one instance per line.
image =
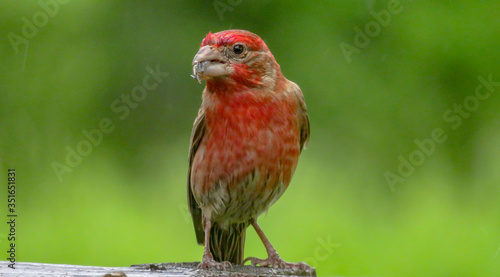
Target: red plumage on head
pixel 244 75
pixel 206 40
pixel 230 37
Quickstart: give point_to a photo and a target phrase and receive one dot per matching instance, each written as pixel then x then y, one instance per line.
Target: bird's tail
pixel 228 244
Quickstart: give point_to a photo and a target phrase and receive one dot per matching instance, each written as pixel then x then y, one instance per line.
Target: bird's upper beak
pixel 208 62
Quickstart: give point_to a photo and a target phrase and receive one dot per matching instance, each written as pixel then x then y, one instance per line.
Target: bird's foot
pixel 209 262
pixel 277 262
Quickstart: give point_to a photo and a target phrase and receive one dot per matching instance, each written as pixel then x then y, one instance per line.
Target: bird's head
pixel 235 59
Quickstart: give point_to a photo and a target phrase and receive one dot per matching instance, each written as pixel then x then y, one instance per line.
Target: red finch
pixel 245 145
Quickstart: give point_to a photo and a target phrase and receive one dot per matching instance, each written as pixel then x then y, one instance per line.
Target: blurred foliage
pixel 125 203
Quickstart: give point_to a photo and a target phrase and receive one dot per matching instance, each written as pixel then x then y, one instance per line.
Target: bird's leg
pixel 273 259
pixel 208 260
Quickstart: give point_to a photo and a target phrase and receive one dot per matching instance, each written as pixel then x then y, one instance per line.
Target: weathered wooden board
pixel 150 270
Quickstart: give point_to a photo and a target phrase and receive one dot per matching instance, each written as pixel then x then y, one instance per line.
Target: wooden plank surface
pixel 150 270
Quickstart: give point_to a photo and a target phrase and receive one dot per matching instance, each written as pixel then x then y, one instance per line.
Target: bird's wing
pixel 302 114
pixel 196 136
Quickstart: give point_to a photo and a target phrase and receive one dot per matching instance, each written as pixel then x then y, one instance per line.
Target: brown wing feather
pixel 196 136
pixel 302 113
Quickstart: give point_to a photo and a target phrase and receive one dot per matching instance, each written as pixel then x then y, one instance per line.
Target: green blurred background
pixel 126 204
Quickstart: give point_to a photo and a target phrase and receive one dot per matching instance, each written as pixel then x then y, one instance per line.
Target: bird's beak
pixel 208 62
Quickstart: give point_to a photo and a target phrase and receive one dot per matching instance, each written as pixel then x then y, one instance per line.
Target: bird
pixel 244 148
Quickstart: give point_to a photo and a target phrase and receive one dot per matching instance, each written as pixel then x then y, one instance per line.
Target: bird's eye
pixel 238 49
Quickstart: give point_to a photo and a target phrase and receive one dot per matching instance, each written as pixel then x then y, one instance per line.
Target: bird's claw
pixel 209 262
pixel 276 261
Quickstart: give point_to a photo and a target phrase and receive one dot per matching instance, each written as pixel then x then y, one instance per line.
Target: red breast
pixel 247 131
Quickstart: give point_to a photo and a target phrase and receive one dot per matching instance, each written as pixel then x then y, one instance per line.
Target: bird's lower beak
pixel 208 62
